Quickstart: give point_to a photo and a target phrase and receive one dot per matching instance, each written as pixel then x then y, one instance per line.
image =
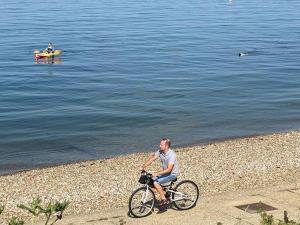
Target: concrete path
pixel 209 211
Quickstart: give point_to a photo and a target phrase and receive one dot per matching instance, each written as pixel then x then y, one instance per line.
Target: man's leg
pixel 161 180
pixel 160 191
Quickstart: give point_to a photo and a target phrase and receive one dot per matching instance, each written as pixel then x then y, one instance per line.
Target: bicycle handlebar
pixel 145 172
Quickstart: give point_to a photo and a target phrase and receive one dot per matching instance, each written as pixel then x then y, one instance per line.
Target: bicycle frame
pixel 145 195
pixel 175 195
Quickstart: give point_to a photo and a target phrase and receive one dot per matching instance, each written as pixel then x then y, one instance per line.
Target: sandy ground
pixel 209 211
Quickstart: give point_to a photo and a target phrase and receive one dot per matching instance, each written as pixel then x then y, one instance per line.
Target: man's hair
pixel 167 140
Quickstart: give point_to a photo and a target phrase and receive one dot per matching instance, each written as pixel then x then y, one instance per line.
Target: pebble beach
pixel 218 167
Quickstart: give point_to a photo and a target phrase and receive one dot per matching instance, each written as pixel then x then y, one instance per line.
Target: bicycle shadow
pixel 155 208
pixel 158 209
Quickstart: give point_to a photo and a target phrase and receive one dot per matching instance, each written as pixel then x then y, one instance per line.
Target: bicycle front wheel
pixel 186 195
pixel 141 202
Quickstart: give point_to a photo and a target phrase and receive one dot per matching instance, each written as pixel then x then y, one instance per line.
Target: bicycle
pixel 142 201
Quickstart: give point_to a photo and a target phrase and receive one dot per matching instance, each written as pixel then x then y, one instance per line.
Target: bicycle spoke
pixel 141 202
pixel 186 195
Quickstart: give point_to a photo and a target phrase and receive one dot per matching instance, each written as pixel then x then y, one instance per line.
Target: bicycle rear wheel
pixel 186 195
pixel 141 202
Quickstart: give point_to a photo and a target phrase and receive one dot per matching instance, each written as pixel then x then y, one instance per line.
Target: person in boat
pixel 50 48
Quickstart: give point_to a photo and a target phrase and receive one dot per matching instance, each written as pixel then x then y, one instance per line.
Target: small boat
pixel 44 54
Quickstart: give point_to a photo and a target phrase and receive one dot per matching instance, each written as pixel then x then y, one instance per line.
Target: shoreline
pixel 90 186
pixel 190 145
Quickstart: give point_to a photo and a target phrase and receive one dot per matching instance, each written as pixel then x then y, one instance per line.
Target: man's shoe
pixel 162 209
pixel 164 202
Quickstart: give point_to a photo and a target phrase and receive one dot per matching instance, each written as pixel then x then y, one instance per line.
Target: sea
pixel 132 72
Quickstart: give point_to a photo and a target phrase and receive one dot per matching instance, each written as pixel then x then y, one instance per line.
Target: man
pixel 50 48
pixel 169 169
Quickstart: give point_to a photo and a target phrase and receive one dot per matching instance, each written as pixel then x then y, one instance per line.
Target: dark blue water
pixel 132 72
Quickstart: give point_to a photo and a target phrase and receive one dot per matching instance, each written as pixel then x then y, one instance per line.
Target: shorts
pixel 164 178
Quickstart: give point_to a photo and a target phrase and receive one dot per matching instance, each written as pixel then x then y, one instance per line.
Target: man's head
pixel 165 144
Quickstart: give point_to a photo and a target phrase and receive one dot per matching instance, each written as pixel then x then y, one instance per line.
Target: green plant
pixel 1 209
pixel 266 219
pixel 15 221
pixel 269 220
pixel 34 207
pixel 52 211
pixel 280 222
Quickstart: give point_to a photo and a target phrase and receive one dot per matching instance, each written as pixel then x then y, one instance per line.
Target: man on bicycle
pixel 169 169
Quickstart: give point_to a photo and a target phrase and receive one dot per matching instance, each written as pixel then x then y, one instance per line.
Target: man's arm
pixel 166 171
pixel 150 160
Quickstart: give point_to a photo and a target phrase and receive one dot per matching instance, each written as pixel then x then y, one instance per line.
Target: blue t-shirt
pixel 166 158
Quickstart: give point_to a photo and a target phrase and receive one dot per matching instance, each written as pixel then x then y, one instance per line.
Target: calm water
pixel 134 71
